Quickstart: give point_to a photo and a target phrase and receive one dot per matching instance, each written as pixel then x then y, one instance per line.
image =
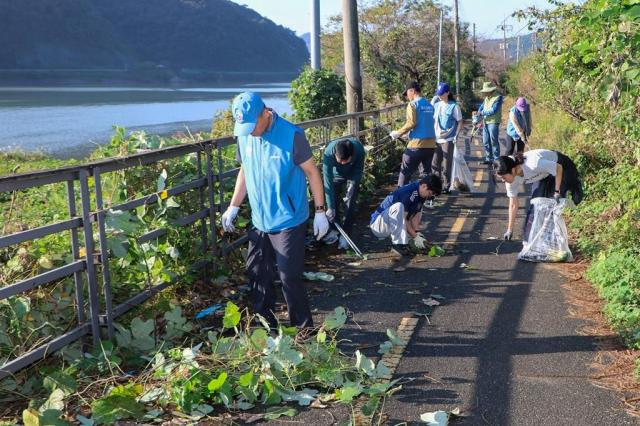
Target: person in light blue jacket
pixel 448 124
pixel 518 127
pixel 276 162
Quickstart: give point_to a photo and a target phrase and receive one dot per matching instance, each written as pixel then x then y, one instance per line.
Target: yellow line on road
pixel 457 225
pixel 478 179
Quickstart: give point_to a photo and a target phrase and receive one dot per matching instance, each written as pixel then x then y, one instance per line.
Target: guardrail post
pixel 94 303
pixel 212 204
pixel 220 180
pixel 104 252
pixel 203 221
pixel 75 251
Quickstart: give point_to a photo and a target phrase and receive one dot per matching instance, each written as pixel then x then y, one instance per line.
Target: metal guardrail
pixel 94 258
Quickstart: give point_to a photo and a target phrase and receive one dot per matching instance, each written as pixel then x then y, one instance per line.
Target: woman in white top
pixel 551 174
pixel 448 123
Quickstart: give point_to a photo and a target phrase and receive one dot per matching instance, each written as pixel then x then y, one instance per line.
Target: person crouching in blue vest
pixel 518 127
pixel 448 124
pixel 422 142
pixel 399 214
pixel 342 164
pixel 276 160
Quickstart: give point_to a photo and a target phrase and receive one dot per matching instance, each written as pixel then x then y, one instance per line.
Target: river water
pixel 68 122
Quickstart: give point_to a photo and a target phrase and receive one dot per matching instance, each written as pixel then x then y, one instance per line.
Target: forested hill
pixel 184 36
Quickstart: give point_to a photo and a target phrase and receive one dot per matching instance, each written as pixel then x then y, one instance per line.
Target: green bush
pixel 316 94
pixel 584 89
pixel 616 274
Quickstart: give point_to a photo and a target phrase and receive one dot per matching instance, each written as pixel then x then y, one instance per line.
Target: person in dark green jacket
pixel 342 165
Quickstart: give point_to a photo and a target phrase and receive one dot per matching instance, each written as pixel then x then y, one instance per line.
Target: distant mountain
pixel 493 47
pixel 178 38
pixel 307 40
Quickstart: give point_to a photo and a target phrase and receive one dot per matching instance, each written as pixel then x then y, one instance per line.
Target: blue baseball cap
pixel 442 89
pixel 246 109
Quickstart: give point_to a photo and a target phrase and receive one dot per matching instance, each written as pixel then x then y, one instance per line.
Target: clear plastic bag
pixel 461 179
pixel 548 240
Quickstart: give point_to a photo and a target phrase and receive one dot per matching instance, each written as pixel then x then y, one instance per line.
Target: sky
pixel 487 14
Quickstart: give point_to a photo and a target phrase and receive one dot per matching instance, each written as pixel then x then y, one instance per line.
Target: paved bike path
pixel 501 347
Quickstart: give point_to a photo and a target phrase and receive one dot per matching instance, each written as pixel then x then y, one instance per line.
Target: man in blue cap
pixel 276 160
pixel 448 124
pixel 419 126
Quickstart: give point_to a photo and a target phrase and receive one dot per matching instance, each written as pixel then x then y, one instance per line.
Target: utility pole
pixel 456 36
pixel 473 83
pixel 315 34
pixel 352 60
pixel 518 50
pixel 474 40
pixel 504 28
pixel 440 46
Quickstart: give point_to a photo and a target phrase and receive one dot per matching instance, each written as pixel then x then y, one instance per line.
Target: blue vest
pixel 522 122
pixel 424 120
pixel 276 187
pixel 446 119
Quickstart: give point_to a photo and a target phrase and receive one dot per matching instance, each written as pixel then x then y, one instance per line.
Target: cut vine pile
pixel 240 366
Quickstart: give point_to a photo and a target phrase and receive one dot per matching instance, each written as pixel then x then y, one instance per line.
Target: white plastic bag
pixel 461 179
pixel 548 240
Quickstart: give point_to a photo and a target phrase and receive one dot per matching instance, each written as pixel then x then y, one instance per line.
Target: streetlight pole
pixel 315 34
pixel 440 45
pixel 456 37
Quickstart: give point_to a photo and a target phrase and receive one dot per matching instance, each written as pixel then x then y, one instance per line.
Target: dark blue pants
pixel 350 199
pixel 286 250
pixel 514 146
pixel 414 159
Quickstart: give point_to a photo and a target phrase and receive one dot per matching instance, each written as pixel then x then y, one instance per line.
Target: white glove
pixel 394 134
pixel 320 225
pixel 419 240
pixel 331 215
pixel 508 235
pixel 228 217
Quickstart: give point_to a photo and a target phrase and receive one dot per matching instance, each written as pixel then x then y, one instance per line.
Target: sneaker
pixel 343 244
pixel 401 249
pixel 331 237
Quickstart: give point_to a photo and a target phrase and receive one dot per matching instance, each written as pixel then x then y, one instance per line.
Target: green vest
pixel 488 103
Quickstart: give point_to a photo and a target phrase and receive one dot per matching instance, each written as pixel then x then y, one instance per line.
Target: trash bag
pixel 548 240
pixel 461 179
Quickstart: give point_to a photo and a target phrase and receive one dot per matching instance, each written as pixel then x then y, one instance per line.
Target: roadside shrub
pixel 317 93
pixel 616 274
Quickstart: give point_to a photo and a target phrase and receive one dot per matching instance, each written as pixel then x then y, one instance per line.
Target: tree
pixel 399 42
pixel 317 93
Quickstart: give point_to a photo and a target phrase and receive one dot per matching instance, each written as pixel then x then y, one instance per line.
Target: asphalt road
pixel 501 347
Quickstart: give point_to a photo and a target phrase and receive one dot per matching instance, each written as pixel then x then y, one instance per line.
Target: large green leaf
pixel 58 380
pixel 336 319
pixel 365 364
pixel 121 221
pixel 142 334
pixel 348 392
pixel 112 408
pixel 274 413
pixel 54 402
pixel 281 354
pixel 231 315
pixel 215 384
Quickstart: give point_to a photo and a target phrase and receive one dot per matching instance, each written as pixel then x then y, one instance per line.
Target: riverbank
pixel 70 122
